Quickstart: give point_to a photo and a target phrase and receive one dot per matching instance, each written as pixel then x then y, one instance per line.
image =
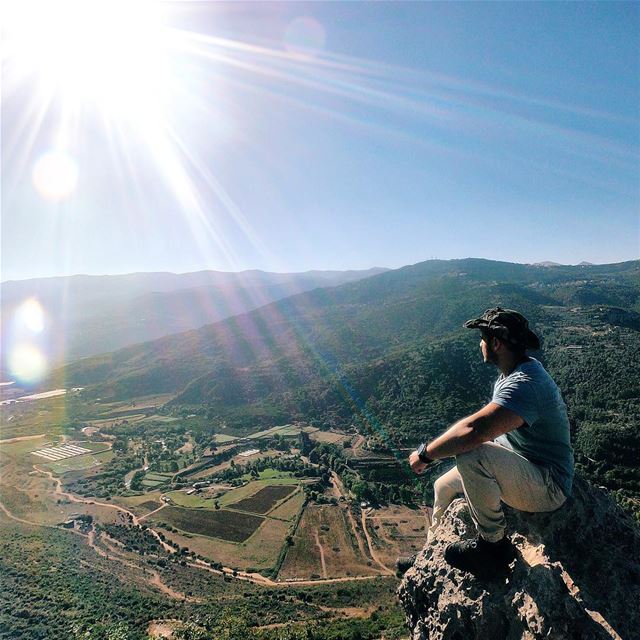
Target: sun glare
pixel 55 175
pixel 106 53
pixel 30 316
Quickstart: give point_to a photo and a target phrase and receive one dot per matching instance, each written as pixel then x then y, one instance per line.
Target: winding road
pixel 156 579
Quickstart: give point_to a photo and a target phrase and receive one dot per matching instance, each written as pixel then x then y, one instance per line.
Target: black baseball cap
pixel 508 325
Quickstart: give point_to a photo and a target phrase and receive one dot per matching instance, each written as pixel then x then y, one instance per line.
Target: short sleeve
pixel 519 396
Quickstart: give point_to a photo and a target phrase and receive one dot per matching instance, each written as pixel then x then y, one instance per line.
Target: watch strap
pixel 422 454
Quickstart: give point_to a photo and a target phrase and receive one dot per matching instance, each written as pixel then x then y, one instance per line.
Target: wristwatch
pixel 422 454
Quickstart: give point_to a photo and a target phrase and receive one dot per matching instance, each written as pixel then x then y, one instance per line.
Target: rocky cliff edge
pixel 577 576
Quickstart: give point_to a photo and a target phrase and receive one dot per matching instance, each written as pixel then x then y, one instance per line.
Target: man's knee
pixel 447 486
pixel 440 484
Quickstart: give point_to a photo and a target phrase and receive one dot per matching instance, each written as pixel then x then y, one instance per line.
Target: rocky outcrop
pixel 577 576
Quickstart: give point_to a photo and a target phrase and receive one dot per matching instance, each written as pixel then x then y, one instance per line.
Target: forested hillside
pixel 388 354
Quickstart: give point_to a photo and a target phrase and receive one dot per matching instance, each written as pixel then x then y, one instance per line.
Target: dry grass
pixel 289 508
pixel 397 531
pixel 32 418
pixel 331 437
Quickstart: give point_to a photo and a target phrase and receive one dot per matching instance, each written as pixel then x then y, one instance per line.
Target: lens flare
pixel 30 316
pixel 27 363
pixel 55 175
pixel 305 36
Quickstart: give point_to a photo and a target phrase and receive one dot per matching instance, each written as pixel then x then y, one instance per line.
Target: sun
pixel 111 55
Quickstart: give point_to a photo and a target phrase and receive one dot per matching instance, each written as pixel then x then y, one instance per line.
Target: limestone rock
pixel 577 576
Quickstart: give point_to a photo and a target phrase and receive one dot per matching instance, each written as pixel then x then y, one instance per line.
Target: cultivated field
pixel 283 430
pixel 153 479
pixel 325 545
pixel 397 531
pixel 206 500
pixel 141 505
pixel 236 495
pixel 226 525
pixel 77 463
pixel 222 438
pixel 264 500
pixel 332 437
pixel 288 508
pixel 240 460
pixel 260 551
pixel 110 422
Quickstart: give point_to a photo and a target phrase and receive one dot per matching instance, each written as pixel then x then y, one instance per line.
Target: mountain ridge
pixel 98 314
pixel 434 280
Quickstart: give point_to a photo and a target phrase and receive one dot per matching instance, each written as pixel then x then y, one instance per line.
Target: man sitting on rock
pixel 516 449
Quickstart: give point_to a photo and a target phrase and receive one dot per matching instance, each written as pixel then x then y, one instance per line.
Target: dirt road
pixel 322 561
pixel 156 580
pixel 375 557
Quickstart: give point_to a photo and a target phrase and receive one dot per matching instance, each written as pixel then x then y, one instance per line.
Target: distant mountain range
pixel 282 354
pixel 89 315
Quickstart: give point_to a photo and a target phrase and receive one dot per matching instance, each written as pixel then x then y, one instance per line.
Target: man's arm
pixel 470 432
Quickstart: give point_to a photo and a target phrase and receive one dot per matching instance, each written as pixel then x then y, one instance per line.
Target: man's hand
pixel 417 466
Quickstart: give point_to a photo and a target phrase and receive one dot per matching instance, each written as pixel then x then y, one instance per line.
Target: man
pixel 514 450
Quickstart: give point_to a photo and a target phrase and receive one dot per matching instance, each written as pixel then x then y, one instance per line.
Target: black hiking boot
pixel 404 563
pixel 479 557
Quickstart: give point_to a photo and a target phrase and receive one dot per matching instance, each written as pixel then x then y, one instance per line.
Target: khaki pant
pixel 488 475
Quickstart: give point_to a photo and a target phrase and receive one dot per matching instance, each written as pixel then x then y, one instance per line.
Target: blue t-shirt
pixel 531 392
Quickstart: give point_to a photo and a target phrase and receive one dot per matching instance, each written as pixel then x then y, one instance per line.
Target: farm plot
pixel 150 505
pixel 332 437
pixel 283 430
pixel 288 509
pixel 34 418
pixel 53 454
pixel 325 546
pixel 260 551
pixel 226 525
pixel 263 501
pixel 154 479
pixel 191 501
pixel 223 438
pixel 142 504
pixel 78 463
pixel 20 446
pixel 252 488
pixel 219 468
pixel 397 531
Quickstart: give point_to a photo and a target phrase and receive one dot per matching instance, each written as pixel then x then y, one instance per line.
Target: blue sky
pixel 296 136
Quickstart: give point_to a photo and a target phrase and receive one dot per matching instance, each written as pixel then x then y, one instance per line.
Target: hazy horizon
pixel 311 270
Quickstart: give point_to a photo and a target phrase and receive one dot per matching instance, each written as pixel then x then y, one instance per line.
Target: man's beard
pixel 492 356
